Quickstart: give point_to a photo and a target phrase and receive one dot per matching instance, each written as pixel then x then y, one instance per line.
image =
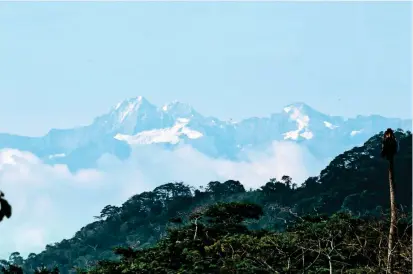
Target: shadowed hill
pixel 354 182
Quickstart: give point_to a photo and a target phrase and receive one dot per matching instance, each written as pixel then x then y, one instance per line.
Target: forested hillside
pixel 336 221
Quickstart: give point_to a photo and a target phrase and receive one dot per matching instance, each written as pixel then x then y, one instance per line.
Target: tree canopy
pixel 335 221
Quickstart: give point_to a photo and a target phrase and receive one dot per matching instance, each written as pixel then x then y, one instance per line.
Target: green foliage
pixel 232 213
pixel 340 242
pixel 5 207
pixel 333 220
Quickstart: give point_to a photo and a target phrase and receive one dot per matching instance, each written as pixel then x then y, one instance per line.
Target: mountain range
pixel 137 122
pixel 354 182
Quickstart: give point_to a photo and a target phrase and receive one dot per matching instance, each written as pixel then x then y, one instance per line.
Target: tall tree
pixel 393 218
pixel 389 149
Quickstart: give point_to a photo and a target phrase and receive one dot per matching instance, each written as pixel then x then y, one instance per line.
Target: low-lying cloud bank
pixel 51 203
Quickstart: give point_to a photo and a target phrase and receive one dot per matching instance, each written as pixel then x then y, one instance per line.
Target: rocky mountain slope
pixel 136 121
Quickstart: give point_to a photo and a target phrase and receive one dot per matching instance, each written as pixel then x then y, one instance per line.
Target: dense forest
pixel 336 222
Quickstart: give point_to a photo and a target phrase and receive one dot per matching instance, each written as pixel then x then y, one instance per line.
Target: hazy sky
pixel 62 64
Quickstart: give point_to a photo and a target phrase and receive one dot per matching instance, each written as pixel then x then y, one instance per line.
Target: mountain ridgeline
pixel 332 223
pixel 136 121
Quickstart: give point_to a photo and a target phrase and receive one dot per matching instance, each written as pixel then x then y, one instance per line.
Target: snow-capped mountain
pixel 136 121
pixel 164 135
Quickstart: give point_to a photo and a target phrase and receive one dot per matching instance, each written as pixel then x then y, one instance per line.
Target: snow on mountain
pixel 129 116
pixel 166 135
pixel 58 155
pixel 354 132
pixel 128 109
pixel 329 125
pixel 137 121
pixel 296 114
pixel 178 109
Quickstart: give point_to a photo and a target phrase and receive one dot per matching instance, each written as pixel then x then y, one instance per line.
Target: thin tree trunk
pixel 303 259
pixel 196 228
pixel 330 264
pixel 393 216
pixel 288 266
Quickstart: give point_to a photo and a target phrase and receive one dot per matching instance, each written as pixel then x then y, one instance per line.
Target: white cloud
pixel 51 203
pixel 29 238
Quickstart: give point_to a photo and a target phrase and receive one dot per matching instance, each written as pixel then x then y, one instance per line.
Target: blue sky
pixel 62 64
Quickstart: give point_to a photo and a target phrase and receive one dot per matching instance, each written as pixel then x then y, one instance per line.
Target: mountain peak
pixel 138 100
pixel 177 108
pixel 176 104
pixel 124 115
pixel 298 106
pixel 303 109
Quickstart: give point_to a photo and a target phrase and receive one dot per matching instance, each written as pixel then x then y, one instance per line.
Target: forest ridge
pixel 331 223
